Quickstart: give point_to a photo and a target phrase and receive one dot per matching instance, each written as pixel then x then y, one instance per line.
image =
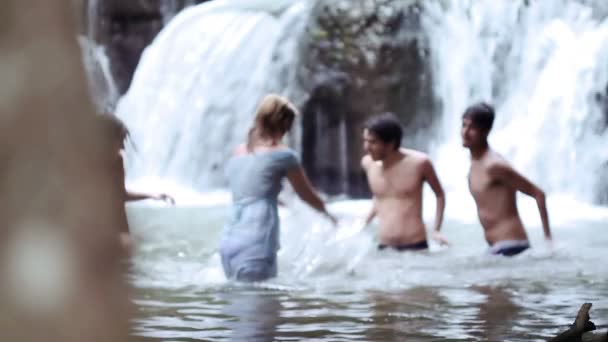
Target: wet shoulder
pixel 415 158
pixel 494 162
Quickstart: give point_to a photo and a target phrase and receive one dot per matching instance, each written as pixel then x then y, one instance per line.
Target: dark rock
pixel 125 28
pixel 361 58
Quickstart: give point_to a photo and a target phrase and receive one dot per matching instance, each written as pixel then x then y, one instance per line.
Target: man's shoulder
pixel 366 161
pixel 416 157
pixel 494 159
pixel 496 165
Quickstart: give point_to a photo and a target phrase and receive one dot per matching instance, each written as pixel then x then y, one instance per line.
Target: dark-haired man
pixel 396 177
pixel 494 184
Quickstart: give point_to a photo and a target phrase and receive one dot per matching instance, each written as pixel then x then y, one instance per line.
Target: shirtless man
pixel 494 184
pixel 396 177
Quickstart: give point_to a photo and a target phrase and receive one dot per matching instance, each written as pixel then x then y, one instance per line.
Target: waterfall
pixel 542 64
pixel 102 85
pixel 195 90
pixel 99 76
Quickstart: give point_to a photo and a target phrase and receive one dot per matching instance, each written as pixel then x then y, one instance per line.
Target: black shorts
pixel 418 246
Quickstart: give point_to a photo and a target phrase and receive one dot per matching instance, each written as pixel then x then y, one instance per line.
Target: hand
pixel 440 239
pixel 166 198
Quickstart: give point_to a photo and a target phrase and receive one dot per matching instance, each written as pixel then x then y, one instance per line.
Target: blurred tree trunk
pixel 61 276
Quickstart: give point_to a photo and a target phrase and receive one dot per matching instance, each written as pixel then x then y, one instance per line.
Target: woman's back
pixel 259 175
pixel 250 240
pixel 251 237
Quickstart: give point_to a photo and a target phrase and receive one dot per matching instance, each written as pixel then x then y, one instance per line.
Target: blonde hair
pixel 273 118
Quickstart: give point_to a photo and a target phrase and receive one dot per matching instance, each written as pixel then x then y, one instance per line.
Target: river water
pixel 541 63
pixel 335 286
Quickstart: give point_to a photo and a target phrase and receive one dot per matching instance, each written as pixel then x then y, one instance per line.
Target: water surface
pixel 335 286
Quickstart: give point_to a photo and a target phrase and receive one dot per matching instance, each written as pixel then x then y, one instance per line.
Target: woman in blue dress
pixel 250 240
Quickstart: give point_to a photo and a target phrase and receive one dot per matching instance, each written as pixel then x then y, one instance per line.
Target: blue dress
pixel 250 240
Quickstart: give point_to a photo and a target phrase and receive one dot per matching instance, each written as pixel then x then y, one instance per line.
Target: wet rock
pixel 361 58
pixel 125 28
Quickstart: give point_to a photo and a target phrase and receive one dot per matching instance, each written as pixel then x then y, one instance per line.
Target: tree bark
pixel 580 328
pixel 61 275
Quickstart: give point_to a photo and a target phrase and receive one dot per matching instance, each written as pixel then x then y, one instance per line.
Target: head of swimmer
pixel 382 136
pixel 477 122
pixel 273 119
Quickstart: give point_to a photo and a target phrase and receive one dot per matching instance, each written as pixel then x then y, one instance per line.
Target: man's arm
pixel 430 176
pixel 511 177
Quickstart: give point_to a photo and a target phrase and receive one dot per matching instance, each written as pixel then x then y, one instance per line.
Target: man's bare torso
pixel 397 193
pixel 496 202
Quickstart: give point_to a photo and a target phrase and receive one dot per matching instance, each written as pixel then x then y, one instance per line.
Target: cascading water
pixel 194 92
pixel 93 41
pixel 541 63
pixel 192 99
pixel 101 82
pixel 197 85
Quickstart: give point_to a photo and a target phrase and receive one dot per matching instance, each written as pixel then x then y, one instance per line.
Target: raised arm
pixel 430 176
pixel 305 191
pixel 505 173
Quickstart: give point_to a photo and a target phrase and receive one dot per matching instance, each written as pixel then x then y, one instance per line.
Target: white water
pixel 197 85
pixel 100 80
pixel 177 265
pixel 194 92
pixel 541 66
pixel 193 96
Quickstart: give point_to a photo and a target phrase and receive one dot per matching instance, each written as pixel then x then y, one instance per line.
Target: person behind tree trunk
pixel 119 133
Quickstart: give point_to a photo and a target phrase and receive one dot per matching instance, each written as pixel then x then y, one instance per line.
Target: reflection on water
pixel 496 314
pixel 254 315
pixel 403 315
pixel 457 294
